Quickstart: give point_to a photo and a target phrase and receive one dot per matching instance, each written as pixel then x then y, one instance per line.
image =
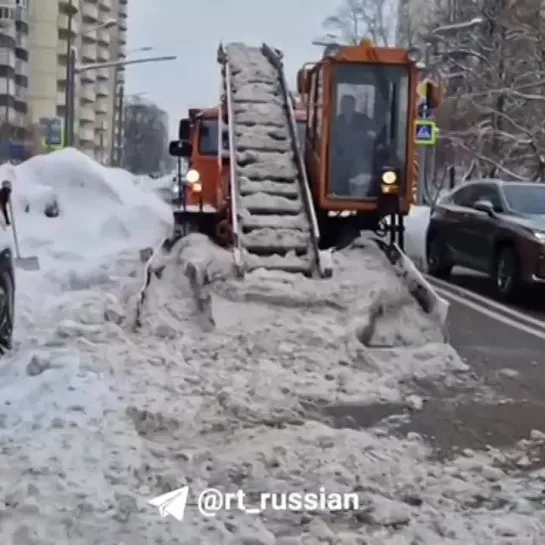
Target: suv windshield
pixel 370 128
pixel 525 198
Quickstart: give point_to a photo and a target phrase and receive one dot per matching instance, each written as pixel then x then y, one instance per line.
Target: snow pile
pixel 100 210
pixel 96 419
pixel 416 224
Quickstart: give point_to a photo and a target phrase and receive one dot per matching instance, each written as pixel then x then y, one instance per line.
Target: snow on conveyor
pixel 96 419
pixel 276 231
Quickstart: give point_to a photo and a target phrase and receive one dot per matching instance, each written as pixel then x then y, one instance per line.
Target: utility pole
pixel 120 122
pixel 70 76
pixel 423 193
pixel 113 139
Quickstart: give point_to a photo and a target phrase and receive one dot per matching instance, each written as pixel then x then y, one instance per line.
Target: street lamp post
pixel 120 97
pixel 429 157
pixel 117 119
pixel 70 91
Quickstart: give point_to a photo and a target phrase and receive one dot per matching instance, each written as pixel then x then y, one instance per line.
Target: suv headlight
pixel 540 235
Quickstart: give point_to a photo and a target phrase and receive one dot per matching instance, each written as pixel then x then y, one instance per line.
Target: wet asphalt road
pixel 531 303
pixel 498 402
pixel 506 400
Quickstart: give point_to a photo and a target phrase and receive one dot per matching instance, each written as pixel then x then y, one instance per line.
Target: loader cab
pixel 361 104
pixel 200 192
pixel 199 132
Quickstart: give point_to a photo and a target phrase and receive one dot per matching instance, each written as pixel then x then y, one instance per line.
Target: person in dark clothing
pixel 354 138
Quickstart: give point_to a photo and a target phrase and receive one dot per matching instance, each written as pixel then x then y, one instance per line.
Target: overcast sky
pixel 192 30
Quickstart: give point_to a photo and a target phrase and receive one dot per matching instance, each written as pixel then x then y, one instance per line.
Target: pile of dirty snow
pixel 95 209
pixel 226 384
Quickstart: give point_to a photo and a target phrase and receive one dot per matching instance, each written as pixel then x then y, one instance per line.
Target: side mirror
pixel 184 129
pixel 484 206
pixel 179 148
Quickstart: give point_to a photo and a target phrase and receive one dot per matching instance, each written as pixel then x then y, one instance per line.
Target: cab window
pixel 208 137
pixel 369 129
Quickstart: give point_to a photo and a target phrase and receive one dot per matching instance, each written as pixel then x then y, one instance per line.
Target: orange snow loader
pixel 279 179
pixel 361 173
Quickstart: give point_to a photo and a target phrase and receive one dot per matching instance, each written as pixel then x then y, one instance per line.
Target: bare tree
pixel 357 19
pixel 495 81
pixel 145 148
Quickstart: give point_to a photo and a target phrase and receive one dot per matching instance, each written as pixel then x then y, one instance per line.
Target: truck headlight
pixel 192 176
pixel 389 177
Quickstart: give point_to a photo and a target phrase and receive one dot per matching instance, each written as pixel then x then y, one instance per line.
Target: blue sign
pixel 425 132
pixel 52 131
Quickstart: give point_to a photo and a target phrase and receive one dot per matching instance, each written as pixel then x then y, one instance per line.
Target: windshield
pixel 525 198
pixel 208 137
pixel 370 127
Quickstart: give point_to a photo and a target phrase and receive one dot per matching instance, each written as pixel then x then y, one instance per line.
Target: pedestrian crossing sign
pixel 425 132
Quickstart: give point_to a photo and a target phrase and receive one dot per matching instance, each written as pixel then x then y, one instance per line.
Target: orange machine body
pixel 320 91
pixel 205 159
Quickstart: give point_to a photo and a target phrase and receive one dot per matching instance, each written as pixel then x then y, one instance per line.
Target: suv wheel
pixel 506 273
pixel 437 258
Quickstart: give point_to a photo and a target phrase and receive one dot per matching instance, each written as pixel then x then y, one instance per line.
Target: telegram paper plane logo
pixel 172 503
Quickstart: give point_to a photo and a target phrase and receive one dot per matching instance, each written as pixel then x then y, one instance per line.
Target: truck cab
pixel 200 193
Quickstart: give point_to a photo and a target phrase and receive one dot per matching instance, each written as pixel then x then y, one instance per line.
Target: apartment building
pixel 14 56
pixel 55 27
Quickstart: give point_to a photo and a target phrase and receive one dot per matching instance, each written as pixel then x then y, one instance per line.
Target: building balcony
pixel 61 98
pixel 102 90
pixel 88 76
pixel 103 74
pixel 67 6
pixel 103 54
pixel 103 37
pixel 89 36
pixel 63 22
pixel 90 12
pixel 102 106
pixel 87 134
pixel 87 94
pixel 88 53
pixel 87 113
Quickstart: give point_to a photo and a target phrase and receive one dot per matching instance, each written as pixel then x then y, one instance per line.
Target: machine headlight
pixel 540 235
pixel 192 176
pixel 389 177
pixel 196 187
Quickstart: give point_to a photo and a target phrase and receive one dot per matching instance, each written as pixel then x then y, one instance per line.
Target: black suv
pixel 491 226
